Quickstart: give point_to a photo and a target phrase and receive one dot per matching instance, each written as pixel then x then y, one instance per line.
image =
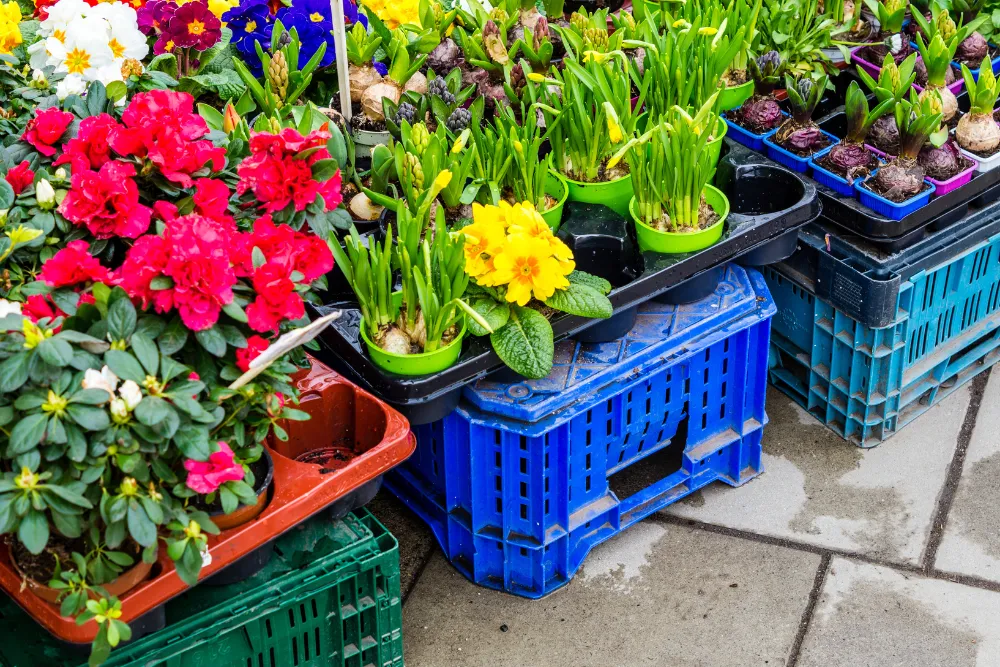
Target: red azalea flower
pixel 164 210
pixel 278 177
pixel 207 476
pixel 276 300
pixel 255 346
pixel 211 198
pixel 193 25
pixel 106 202
pixel 89 149
pixel 46 129
pixel 38 306
pixel 160 126
pixel 20 177
pixel 194 253
pixel 296 251
pixel 73 265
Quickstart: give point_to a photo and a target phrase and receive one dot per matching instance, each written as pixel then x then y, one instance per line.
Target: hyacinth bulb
pixel 849 157
pixel 362 77
pixel 445 56
pixel 972 49
pixel 371 99
pixel 806 139
pixel 940 163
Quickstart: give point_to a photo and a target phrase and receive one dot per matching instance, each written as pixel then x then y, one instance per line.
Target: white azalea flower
pixel 101 379
pixel 9 308
pixel 71 85
pixel 131 394
pixel 119 409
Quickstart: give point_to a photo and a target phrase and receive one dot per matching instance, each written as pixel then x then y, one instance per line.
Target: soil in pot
pixel 330 459
pixel 854 172
pixel 984 155
pixel 362 122
pixel 39 569
pixel 875 53
pixel 706 218
pixel 952 75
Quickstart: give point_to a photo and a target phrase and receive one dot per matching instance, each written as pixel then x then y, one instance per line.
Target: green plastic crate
pixel 329 597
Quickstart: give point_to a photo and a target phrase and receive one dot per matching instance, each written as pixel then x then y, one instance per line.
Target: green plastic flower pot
pixel 555 187
pixel 424 363
pixel 613 194
pixel 733 98
pixel 672 243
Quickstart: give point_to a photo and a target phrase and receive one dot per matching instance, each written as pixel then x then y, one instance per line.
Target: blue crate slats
pixel 868 383
pixel 523 479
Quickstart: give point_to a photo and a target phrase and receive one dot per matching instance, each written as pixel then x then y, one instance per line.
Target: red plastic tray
pixel 343 415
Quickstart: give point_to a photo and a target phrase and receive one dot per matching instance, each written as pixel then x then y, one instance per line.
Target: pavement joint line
pixel 405 595
pixel 948 491
pixel 810 610
pixel 965 580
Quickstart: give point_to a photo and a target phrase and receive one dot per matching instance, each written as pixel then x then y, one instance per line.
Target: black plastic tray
pixel 767 202
pixel 863 280
pixel 852 215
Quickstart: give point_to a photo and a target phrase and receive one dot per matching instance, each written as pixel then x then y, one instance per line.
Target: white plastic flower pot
pixel 985 163
pixel 365 141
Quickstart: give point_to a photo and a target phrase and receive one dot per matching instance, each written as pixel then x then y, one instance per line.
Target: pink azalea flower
pixel 207 476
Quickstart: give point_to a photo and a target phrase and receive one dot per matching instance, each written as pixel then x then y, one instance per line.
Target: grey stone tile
pixel 416 541
pixel 662 595
pixel 819 489
pixel 872 616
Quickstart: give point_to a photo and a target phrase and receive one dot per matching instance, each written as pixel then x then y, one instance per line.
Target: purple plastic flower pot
pixel 958 180
pixel 956 87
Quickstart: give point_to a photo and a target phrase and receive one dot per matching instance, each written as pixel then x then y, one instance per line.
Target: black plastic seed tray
pixel 862 280
pixel 850 214
pixel 768 205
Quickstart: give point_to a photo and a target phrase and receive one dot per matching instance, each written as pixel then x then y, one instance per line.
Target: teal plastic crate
pixel 867 383
pixel 329 597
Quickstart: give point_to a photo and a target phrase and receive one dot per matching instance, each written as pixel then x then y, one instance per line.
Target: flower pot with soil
pixel 938 40
pixel 588 122
pixel 894 83
pixel 799 138
pixel 739 83
pixel 760 115
pixel 222 503
pixel 891 40
pixel 675 207
pixel 977 132
pixel 418 330
pixel 900 187
pixel 850 159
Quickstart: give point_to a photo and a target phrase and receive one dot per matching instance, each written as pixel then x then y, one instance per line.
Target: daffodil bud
pixel 45 195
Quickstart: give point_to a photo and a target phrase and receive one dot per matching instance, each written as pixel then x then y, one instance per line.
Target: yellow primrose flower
pixel 10 33
pixel 563 255
pixel 526 221
pixel 527 267
pixel 220 7
pixel 484 239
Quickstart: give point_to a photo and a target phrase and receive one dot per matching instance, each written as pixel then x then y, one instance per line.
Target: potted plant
pixel 522 275
pixel 978 133
pixel 894 83
pixel 936 53
pixel 760 115
pixel 592 101
pixel 850 158
pixel 799 138
pixel 899 187
pixel 675 207
pixel 531 178
pixel 739 82
pixel 891 39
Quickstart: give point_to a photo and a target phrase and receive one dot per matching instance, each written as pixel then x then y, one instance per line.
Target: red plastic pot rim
pixel 300 490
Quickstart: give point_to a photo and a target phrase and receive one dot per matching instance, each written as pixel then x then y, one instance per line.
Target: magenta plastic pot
pixel 955 182
pixel 873 69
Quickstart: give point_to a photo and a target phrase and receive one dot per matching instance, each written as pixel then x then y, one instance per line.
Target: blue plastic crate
pixel 867 383
pixel 522 480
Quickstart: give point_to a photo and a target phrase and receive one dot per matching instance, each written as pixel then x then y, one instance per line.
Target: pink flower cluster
pixel 207 476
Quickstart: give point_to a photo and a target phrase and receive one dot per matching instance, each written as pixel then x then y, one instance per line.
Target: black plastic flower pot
pixel 244 568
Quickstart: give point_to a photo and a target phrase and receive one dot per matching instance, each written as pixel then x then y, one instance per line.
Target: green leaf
pixel 6 195
pixel 55 352
pixel 192 440
pixel 69 496
pixel 525 343
pixel 14 371
pixel 323 170
pixel 140 527
pixel 146 350
pixel 173 337
pixel 88 417
pixel 234 311
pixel 33 532
pixel 496 313
pixel 583 278
pixel 124 366
pixel 152 410
pixel 189 565
pixel 121 319
pixel 27 433
pixel 161 283
pixel 212 340
pixel 582 300
pixel 91 397
pixel 97 98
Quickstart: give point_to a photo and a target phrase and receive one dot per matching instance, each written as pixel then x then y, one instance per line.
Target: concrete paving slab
pixel 416 541
pixel 872 616
pixel 654 595
pixel 819 489
pixel 971 542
